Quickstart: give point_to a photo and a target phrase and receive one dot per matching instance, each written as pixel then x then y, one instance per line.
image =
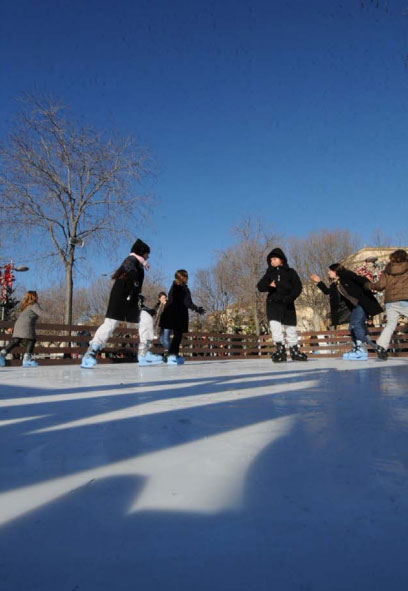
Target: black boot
pixel 297 355
pixel 381 353
pixel 280 354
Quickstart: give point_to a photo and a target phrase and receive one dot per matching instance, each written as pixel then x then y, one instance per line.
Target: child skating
pixel 283 286
pixel 175 314
pixel 125 306
pixel 24 329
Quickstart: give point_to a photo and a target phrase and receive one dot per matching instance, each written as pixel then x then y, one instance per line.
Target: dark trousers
pixel 15 342
pixel 176 342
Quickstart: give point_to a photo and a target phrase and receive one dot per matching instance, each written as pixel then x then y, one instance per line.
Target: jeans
pixel 165 338
pixel 394 310
pixel 358 327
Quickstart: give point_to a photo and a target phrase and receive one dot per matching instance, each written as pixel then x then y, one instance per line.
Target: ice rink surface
pixel 219 475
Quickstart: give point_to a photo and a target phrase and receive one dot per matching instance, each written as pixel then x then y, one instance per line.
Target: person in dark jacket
pixel 125 305
pixel 24 329
pixel 175 314
pixel 362 303
pixel 340 311
pixel 283 287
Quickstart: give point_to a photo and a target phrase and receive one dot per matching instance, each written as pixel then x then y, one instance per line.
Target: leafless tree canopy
pixel 67 183
pixel 313 255
pixel 235 275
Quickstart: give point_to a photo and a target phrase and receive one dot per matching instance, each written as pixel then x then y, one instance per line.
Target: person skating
pixel 340 312
pixel 125 306
pixel 175 314
pixel 24 329
pixel 394 283
pixel 362 303
pixel 283 286
pixel 162 333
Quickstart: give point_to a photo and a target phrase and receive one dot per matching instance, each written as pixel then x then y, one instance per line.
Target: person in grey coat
pixel 24 329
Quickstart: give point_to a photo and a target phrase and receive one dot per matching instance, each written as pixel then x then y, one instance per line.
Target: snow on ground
pixel 219 475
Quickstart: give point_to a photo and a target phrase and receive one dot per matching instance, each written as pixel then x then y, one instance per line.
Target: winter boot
pixel 89 359
pixel 3 354
pixel 280 354
pixel 297 355
pixel 172 360
pixel 359 354
pixel 382 353
pixel 28 361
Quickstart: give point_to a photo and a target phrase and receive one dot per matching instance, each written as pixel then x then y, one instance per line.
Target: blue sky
pixel 291 111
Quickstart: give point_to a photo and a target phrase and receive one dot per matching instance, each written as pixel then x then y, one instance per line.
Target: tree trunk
pixel 69 288
pixel 316 320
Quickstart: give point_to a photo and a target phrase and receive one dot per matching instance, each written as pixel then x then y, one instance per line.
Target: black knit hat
pixel 140 248
pixel 279 254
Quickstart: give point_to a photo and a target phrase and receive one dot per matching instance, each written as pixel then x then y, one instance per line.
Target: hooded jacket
pixel 394 281
pixel 280 300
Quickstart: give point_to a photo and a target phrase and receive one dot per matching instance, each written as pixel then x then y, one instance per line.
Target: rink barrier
pixel 60 344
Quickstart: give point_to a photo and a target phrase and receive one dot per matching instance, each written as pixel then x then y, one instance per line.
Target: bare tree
pixel 244 264
pixel 65 183
pixel 212 291
pixel 313 255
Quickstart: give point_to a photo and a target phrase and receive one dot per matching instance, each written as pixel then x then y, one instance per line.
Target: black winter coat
pixel 124 296
pixel 340 308
pixel 280 304
pixel 354 286
pixel 175 313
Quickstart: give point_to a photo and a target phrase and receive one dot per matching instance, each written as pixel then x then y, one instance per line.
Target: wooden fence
pixel 61 344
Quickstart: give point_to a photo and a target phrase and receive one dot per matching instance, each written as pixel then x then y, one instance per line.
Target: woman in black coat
pixel 340 308
pixel 283 287
pixel 175 314
pixel 362 303
pixel 124 299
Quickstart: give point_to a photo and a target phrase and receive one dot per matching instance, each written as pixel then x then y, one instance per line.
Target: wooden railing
pixel 61 344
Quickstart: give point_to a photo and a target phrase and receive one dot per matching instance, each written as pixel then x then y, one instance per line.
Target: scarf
pixel 141 260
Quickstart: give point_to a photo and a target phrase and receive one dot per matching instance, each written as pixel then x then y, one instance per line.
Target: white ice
pixel 218 475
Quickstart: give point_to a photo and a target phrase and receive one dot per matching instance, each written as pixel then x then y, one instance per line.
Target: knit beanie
pixel 140 248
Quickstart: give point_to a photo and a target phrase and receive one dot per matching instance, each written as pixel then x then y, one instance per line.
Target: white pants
pixel 105 331
pixel 277 333
pixel 394 310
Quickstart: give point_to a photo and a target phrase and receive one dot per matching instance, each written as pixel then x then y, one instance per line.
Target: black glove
pixel 200 310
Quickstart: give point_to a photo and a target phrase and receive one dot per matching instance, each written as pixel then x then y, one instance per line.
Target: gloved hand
pixel 200 310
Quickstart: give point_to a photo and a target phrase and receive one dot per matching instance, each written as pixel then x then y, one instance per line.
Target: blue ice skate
pixel 175 360
pixel 360 354
pixel 28 361
pixel 152 357
pixel 150 360
pixel 89 359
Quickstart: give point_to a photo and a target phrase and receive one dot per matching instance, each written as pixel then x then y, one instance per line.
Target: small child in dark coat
pixel 175 314
pixel 24 329
pixel 283 287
